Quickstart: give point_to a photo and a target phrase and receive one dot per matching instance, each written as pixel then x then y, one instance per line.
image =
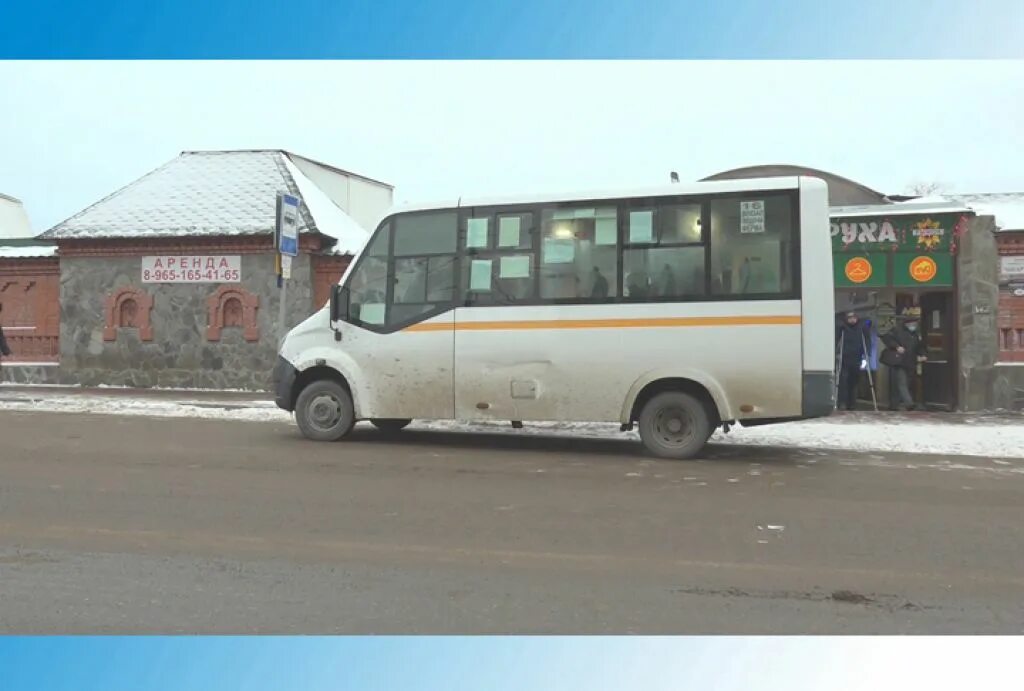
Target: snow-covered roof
pixel 1007 207
pixel 27 251
pixel 923 205
pixel 203 193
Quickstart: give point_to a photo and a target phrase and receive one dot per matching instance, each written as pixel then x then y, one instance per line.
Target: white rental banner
pixel 192 269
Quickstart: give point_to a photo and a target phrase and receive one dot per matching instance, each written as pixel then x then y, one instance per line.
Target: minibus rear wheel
pixel 324 411
pixel 390 426
pixel 674 424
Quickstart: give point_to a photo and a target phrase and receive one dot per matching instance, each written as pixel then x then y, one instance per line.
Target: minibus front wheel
pixel 324 411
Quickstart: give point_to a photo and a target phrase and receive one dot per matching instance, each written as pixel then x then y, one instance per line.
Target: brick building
pixel 29 285
pixel 171 281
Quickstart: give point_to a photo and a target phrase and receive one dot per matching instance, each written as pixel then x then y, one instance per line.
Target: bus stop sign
pixel 287 225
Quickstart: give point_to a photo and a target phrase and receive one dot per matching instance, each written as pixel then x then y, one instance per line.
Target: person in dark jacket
pixel 5 350
pixel 904 350
pixel 852 338
pixel 599 290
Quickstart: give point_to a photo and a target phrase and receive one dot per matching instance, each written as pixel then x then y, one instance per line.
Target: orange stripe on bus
pixel 653 322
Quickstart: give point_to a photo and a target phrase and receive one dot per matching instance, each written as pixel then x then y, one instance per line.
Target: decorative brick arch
pixel 230 297
pixel 128 308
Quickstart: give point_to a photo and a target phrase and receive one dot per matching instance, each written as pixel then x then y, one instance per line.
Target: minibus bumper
pixel 819 400
pixel 284 384
pixel 819 394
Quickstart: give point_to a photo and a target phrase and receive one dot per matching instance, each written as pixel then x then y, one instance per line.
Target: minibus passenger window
pixel 579 253
pixel 750 241
pixel 664 254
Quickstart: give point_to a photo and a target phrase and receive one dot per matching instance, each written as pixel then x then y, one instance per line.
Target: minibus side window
pixel 423 266
pixel 407 272
pixel 751 245
pixel 579 253
pixel 499 268
pixel 663 254
pixel 368 285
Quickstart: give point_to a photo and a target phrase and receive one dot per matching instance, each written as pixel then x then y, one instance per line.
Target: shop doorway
pixel 936 385
pixel 938 375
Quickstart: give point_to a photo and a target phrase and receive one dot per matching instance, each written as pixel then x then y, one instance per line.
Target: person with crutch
pixel 852 341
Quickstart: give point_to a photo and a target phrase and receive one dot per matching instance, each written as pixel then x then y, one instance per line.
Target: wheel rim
pixel 324 412
pixel 674 427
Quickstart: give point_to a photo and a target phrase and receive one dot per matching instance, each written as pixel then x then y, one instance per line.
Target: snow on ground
pixel 992 437
pixel 249 411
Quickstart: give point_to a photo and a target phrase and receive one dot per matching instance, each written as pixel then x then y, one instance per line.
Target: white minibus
pixel 675 309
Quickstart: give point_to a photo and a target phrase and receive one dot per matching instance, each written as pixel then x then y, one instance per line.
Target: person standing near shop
pixel 904 352
pixel 852 340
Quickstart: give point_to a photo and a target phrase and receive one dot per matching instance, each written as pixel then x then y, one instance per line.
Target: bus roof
pixel 671 190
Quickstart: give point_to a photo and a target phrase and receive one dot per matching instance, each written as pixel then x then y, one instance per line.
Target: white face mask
pixel 911 327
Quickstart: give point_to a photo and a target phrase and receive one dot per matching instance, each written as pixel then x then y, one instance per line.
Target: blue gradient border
pixel 514 29
pixel 313 663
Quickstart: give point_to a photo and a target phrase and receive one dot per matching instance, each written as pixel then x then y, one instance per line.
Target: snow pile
pixel 980 436
pixel 248 411
pixel 991 440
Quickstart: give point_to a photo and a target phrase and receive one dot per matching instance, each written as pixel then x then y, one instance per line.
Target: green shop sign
pixel 899 269
pixel 912 233
pixel 861 270
pixel 911 270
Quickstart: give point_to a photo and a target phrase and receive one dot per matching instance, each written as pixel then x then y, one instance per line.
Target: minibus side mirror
pixel 339 304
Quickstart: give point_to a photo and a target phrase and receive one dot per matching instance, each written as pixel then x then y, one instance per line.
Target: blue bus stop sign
pixel 287 231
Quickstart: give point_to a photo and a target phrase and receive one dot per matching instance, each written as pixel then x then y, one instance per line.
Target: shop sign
pixel 1011 267
pixel 192 269
pixel 922 269
pixel 860 271
pixel 916 270
pixel 1016 289
pixel 912 233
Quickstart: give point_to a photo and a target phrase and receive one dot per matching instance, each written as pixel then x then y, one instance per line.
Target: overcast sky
pixel 71 133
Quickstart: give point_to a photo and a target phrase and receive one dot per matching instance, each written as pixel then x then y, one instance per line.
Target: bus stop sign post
pixel 286 240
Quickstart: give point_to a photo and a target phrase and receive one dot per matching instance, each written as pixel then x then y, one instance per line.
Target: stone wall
pixel 978 287
pixel 180 353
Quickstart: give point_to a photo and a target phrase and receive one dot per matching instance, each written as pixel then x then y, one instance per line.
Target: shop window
pixel 128 308
pixel 751 246
pixel 232 306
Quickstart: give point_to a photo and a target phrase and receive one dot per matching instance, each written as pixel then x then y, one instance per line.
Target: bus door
pixel 402 300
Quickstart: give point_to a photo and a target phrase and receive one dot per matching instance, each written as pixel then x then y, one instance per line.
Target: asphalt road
pixel 125 525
